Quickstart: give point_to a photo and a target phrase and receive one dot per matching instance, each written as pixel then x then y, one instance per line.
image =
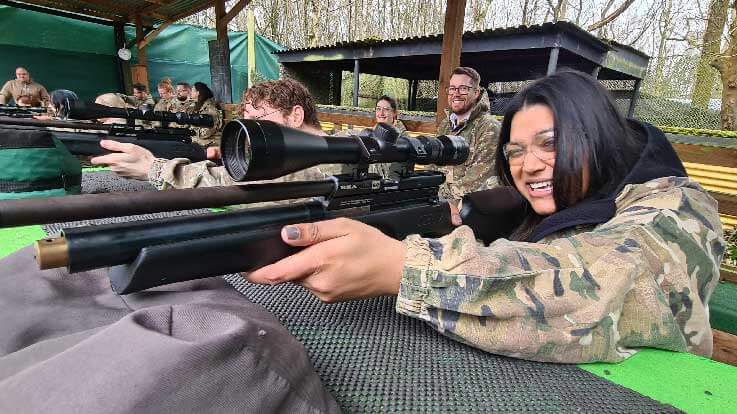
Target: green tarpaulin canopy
pixel 65 53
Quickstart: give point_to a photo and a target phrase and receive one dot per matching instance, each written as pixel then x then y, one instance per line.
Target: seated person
pixel 166 94
pixel 206 105
pixel 113 100
pixel 284 101
pixel 615 253
pixel 28 101
pixel 60 101
pixel 386 112
pixel 140 98
pixel 23 85
pixel 183 101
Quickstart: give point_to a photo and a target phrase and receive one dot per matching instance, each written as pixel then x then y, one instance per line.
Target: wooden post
pixel 220 57
pixel 451 53
pixel 356 75
pixel 553 60
pixel 635 97
pixel 139 71
pixel 251 23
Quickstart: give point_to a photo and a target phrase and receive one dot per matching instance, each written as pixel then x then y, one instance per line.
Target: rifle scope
pixel 259 150
pixel 88 110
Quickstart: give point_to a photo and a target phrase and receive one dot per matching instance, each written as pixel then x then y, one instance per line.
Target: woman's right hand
pixel 455 215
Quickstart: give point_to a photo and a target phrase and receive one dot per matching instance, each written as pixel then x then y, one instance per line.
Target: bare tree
pixel 710 48
pixel 726 64
pixel 608 19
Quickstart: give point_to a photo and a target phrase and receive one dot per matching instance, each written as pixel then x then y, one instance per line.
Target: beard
pixel 182 98
pixel 467 105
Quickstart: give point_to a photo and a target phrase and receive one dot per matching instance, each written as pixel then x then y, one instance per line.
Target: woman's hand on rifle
pixel 343 259
pixel 126 160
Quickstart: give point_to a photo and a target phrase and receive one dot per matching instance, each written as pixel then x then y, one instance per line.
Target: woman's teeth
pixel 542 185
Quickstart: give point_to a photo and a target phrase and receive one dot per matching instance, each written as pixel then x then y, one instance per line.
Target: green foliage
pixel 730 256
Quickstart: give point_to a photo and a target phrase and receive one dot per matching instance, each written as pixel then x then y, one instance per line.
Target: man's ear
pixel 297 117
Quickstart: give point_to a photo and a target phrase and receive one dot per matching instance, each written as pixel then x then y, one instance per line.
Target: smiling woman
pixel 618 249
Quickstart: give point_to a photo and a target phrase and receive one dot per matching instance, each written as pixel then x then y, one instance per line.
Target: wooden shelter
pixel 499 55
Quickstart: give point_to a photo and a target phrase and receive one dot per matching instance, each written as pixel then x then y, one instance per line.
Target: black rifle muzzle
pixel 260 150
pixel 88 110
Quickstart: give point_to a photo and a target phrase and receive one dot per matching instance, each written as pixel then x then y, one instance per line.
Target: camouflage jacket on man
pixel 582 293
pixel 138 103
pixel 481 131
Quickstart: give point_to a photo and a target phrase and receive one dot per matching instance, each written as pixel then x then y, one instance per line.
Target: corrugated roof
pixel 153 12
pixel 479 34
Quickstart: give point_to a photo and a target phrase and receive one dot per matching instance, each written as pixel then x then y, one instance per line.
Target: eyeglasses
pixel 462 90
pixel 515 153
pixel 266 114
pixel 382 109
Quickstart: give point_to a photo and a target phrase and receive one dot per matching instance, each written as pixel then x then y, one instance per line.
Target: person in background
pixel 140 98
pixel 386 112
pixel 205 105
pixel 166 95
pixel 614 253
pixel 468 116
pixel 28 101
pixel 284 101
pixel 183 101
pixel 21 86
pixel 60 102
pixel 113 100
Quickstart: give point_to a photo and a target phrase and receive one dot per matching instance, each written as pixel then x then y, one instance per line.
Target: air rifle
pixel 83 138
pixel 23 112
pixel 145 254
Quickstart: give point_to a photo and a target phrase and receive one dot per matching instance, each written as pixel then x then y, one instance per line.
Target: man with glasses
pixel 285 102
pixel 468 116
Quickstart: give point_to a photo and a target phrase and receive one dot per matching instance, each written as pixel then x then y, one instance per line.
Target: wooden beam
pixel 725 347
pixel 724 157
pixel 110 5
pixel 152 35
pixel 451 52
pixel 237 8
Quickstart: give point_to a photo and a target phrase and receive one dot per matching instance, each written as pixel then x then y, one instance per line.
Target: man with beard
pixel 468 116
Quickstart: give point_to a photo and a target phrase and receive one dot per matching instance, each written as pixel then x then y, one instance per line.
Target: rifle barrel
pixel 42 123
pixel 92 206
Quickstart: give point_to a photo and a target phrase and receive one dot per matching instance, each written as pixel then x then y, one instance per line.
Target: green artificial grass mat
pixel 688 382
pixel 16 238
pixel 685 381
pixel 723 309
pixel 95 169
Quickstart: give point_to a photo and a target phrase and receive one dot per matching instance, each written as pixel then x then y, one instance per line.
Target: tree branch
pixel 603 22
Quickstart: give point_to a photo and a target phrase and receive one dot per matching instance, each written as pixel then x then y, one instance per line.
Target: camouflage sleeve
pixel 591 296
pixel 5 94
pixel 475 173
pixel 182 173
pixel 44 96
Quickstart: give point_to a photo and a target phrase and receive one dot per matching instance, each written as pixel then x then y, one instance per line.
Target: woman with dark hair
pixel 60 101
pixel 618 249
pixel 205 105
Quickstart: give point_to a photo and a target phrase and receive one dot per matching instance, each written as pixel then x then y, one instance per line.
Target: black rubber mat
pixel 375 360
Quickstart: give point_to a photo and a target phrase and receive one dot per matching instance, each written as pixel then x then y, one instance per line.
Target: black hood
pixel 658 159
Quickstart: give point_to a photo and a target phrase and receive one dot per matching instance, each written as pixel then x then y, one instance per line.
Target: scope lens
pixel 236 150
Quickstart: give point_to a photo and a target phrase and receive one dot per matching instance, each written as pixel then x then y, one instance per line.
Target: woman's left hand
pixel 343 259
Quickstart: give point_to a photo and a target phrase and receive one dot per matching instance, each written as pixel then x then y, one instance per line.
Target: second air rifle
pixel 145 254
pixel 83 138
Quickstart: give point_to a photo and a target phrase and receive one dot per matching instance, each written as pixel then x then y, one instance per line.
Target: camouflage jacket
pixel 138 103
pixel 641 276
pixel 15 89
pixel 208 137
pixel 481 131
